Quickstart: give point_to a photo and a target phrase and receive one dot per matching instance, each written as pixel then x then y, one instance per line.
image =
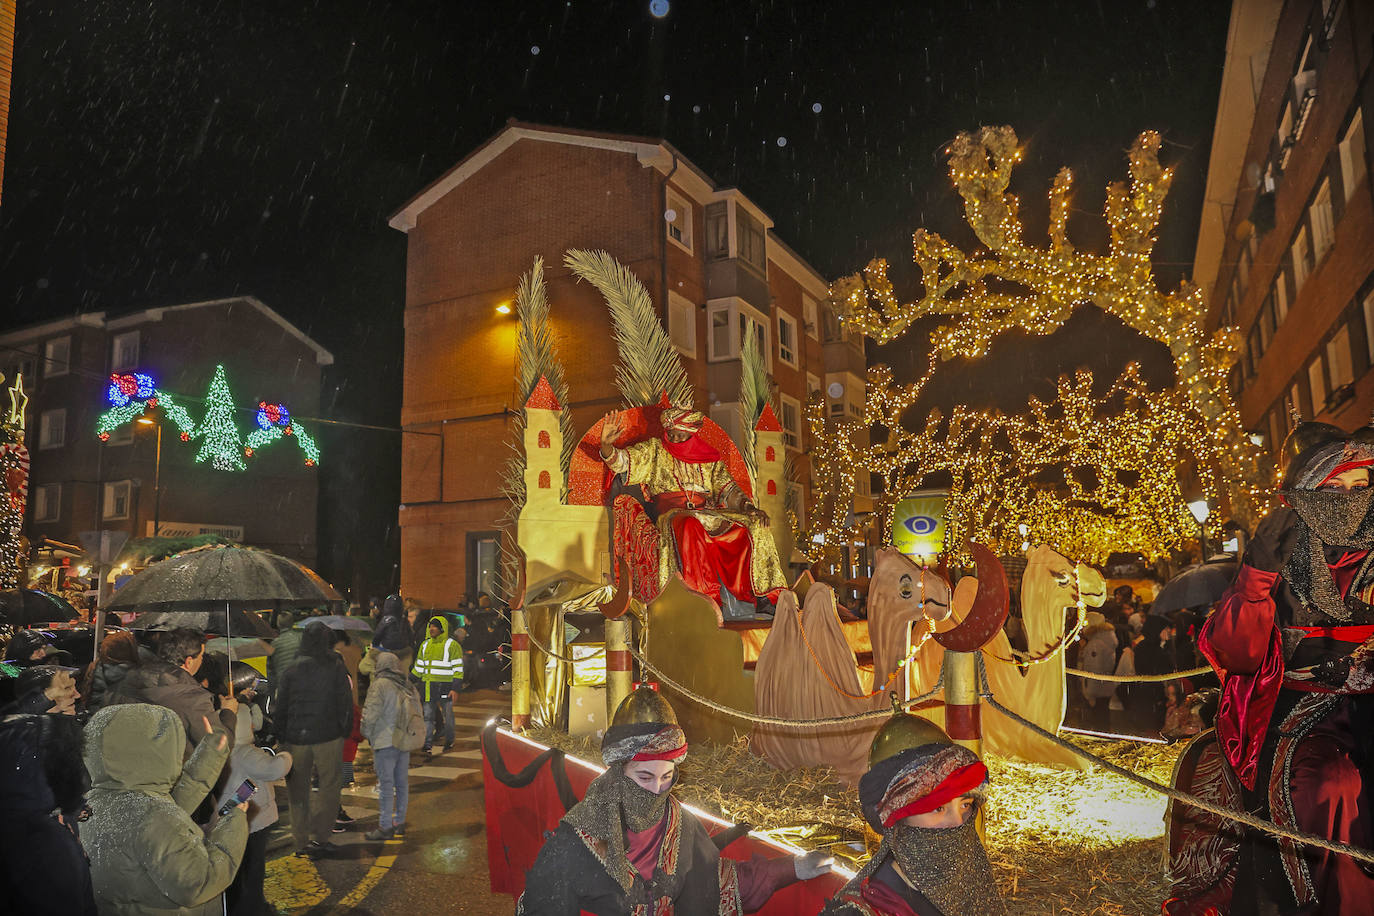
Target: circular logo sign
pixel 920 524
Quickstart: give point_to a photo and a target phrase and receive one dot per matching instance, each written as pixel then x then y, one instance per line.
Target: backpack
pixel 410 730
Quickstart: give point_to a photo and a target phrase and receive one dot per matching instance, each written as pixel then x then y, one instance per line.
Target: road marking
pixel 440 772
pixel 370 880
pixel 293 883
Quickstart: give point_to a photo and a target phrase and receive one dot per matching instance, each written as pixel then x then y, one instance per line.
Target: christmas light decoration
pixel 274 423
pixel 131 396
pixel 1086 475
pixel 14 474
pixel 221 445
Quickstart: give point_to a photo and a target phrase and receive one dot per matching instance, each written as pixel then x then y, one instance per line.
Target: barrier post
pixel 963 714
pixel 619 664
pixel 519 670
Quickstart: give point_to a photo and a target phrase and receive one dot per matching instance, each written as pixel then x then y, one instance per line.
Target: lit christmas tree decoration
pixel 221 446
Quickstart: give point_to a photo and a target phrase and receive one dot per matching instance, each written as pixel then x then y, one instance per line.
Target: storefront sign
pixel 191 529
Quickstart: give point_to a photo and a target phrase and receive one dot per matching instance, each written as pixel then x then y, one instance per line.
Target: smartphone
pixel 244 792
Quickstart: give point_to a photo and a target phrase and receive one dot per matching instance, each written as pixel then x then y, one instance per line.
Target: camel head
pixel 1053 581
pixel 901 592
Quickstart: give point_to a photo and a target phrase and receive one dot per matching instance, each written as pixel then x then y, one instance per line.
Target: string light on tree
pixel 14 474
pixel 1084 474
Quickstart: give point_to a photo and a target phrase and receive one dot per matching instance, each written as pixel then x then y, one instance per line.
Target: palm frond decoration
pixel 649 364
pixel 755 390
pixel 536 356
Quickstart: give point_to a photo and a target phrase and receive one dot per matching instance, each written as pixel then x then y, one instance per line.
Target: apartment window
pixel 1253 352
pixel 791 421
pixel 483 549
pixel 1296 402
pixel 751 241
pixel 47 502
pixel 726 416
pixel 796 501
pixel 682 323
pixel 52 428
pixel 1316 383
pixel 1285 125
pixel 1367 306
pixel 728 321
pixel 717 230
pixel 1281 295
pixel 124 352
pixel 787 339
pixel 678 218
pixel 1278 427
pixel 57 357
pixel 1266 325
pixel 813 385
pixel 121 435
pixel 117 499
pixel 1352 149
pixel 1302 253
pixel 1323 225
pixel 22 367
pixel 1338 361
pixel 811 316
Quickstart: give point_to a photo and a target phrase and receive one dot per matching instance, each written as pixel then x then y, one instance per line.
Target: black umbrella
pixel 236 622
pixel 219 576
pixel 1197 585
pixel 22 607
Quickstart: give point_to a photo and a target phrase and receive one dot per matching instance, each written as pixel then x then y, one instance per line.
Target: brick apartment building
pixel 1286 247
pixel 79 483
pixel 707 255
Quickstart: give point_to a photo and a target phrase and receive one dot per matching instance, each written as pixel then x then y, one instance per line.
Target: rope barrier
pixel 1139 678
pixel 552 654
pixel 901 666
pixel 885 713
pixel 1187 798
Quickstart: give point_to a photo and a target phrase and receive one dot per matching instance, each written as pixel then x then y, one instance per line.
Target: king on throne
pixel 720 538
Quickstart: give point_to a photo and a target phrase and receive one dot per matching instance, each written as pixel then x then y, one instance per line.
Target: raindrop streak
pixel 204 130
pixel 338 110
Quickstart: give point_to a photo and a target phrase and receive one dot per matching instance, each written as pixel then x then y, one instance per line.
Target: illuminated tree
pixel 220 444
pixel 1086 475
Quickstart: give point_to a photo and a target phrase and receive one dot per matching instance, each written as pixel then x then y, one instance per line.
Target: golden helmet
pixel 644 705
pixel 903 732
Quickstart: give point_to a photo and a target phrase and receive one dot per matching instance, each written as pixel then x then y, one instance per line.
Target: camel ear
pixel 964 594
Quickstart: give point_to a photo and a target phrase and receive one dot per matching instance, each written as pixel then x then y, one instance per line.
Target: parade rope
pixel 1187 798
pixel 901 665
pixel 885 713
pixel 552 654
pixel 1139 678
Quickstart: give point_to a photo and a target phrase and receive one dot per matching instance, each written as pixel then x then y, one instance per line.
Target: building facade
pixel 1286 246
pixel 7 10
pixel 708 257
pixel 79 483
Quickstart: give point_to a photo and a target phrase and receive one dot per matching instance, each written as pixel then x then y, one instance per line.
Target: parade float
pixel 650 541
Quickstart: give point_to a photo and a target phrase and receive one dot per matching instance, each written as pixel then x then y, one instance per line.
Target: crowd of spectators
pixel 144 781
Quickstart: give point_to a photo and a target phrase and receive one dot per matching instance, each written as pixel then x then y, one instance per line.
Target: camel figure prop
pixel 795 681
pixel 1050 587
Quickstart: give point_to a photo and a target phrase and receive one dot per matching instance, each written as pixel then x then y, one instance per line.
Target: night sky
pixel 165 151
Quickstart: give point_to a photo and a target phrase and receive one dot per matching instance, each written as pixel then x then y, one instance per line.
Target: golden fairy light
pixel 1086 475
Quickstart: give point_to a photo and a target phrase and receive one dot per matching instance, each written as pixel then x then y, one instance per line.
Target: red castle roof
pixel 542 397
pixel 768 421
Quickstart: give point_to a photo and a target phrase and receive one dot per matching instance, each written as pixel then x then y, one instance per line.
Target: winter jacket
pixel 285 649
pixel 314 700
pixel 106 682
pixel 438 661
pixel 248 761
pixel 392 633
pixel 157 682
pixel 147 856
pixel 43 869
pixel 383 714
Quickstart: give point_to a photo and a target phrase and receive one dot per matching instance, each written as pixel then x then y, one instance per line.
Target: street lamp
pixel 157 475
pixel 1200 511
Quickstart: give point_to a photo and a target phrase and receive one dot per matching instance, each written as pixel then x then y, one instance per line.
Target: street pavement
pixel 441 863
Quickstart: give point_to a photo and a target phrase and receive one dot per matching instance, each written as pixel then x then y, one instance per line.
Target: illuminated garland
pixel 1087 476
pixel 274 422
pixel 131 395
pixel 14 476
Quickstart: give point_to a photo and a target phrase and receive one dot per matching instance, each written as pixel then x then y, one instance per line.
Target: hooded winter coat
pixel 384 709
pixel 147 856
pixel 157 682
pixel 43 869
pixel 104 677
pixel 438 661
pixel 314 700
pixel 392 633
pixel 1098 654
pixel 248 761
